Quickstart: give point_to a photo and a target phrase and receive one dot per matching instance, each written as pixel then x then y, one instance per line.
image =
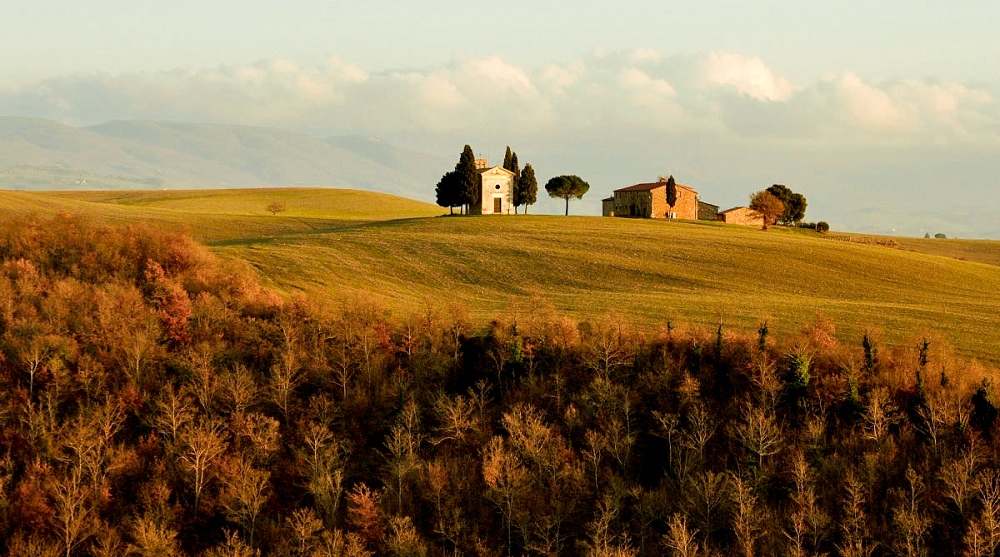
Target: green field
pixel 342 244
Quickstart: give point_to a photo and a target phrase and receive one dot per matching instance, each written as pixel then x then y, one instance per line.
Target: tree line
pixel 461 187
pixel 159 401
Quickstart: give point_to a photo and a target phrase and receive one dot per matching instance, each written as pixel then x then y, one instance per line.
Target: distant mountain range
pixel 42 154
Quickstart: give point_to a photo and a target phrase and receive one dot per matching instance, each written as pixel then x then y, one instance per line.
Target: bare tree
pixel 305 525
pixel 505 477
pixel 73 518
pixel 855 541
pixel 458 419
pixel 748 520
pixel 880 413
pixel 172 413
pixel 239 389
pixel 679 539
pixel 705 500
pixel 151 538
pixel 602 540
pixel 203 445
pixel 759 433
pixel 326 458
pixel 401 445
pixel 959 479
pixel 910 520
pixel 246 493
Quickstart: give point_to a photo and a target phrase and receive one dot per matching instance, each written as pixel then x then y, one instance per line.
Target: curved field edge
pixel 585 267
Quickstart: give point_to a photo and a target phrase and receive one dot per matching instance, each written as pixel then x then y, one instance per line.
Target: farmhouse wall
pixel 634 204
pixel 742 215
pixel 707 211
pixel 608 207
pixel 687 203
pixel 650 201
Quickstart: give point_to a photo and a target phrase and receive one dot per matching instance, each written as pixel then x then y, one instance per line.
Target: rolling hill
pixel 41 154
pixel 346 244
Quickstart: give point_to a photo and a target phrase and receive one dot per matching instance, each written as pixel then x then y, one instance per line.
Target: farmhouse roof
pixel 654 185
pixel 608 198
pixel 497 167
pixel 735 209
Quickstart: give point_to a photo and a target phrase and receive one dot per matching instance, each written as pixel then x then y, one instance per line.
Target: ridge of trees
pixel 160 402
pixel 461 187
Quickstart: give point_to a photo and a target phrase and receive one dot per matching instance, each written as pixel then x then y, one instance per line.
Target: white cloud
pixel 726 95
pixel 748 76
pixel 868 106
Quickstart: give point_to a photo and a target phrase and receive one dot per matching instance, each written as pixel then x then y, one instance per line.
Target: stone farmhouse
pixel 650 201
pixel 495 186
pixel 707 211
pixel 741 215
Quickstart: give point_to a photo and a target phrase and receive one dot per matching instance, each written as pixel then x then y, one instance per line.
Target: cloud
pixel 725 95
pixel 748 76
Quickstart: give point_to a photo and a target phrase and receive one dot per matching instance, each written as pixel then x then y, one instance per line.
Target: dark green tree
pixel 795 203
pixel 515 190
pixel 448 191
pixel 467 179
pixel 671 192
pixel 565 187
pixel 527 187
pixel 507 158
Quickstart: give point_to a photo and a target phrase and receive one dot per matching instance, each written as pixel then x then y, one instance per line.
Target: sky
pixel 873 110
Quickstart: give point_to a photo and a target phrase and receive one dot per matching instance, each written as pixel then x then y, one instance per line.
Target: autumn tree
pixel 769 207
pixel 245 494
pixel 204 443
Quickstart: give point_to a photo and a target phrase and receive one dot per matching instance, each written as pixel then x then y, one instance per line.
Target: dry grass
pixel 338 244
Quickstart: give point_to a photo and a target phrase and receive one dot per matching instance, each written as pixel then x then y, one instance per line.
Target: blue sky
pixel 866 107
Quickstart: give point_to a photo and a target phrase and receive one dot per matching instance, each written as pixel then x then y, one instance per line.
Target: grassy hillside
pixel 344 244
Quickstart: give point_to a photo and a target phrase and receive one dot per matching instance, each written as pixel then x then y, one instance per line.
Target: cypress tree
pixel 516 196
pixel 528 186
pixel 671 192
pixel 507 158
pixel 467 179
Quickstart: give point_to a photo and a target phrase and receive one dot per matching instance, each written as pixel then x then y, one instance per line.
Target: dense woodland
pixel 158 401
